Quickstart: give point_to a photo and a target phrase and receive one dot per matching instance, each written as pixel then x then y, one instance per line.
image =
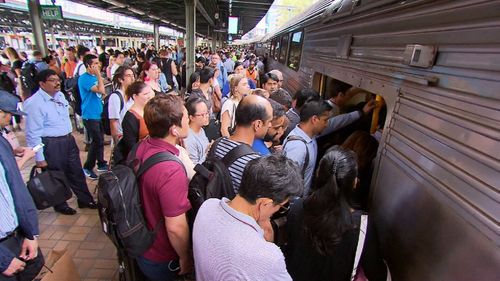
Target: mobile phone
pixel 36 148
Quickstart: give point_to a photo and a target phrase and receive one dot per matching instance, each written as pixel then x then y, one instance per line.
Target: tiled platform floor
pixel 81 234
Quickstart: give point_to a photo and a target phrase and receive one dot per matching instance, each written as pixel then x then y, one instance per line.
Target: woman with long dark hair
pixel 324 229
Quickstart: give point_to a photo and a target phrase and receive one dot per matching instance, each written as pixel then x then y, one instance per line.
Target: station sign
pixel 51 12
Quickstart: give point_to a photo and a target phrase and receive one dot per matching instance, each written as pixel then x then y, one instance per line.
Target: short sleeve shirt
pixel 91 102
pixel 164 189
pixel 197 145
pixel 230 106
pixel 114 107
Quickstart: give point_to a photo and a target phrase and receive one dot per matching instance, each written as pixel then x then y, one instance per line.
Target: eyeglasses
pixel 284 208
pixel 202 114
pixel 54 80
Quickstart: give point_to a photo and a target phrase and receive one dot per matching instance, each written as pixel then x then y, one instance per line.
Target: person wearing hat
pixel 8 107
pixel 48 122
pixel 20 258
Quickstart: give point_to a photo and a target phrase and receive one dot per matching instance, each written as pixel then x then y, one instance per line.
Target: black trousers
pixel 95 132
pixel 33 267
pixel 62 154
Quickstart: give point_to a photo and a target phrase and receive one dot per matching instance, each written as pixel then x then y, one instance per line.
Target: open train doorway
pixel 363 136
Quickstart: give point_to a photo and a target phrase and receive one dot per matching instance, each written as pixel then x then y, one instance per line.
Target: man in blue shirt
pixel 20 258
pixel 91 87
pixel 48 122
pixel 315 120
pixel 215 62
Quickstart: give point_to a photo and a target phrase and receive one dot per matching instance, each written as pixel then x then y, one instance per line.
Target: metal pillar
pixel 214 41
pixel 156 33
pixel 190 39
pixel 37 26
pixel 221 40
pixel 52 38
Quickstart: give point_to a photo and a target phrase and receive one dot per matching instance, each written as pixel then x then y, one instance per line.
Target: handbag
pixel 357 272
pixel 48 188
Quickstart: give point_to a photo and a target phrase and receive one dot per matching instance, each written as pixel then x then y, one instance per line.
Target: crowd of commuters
pixel 153 107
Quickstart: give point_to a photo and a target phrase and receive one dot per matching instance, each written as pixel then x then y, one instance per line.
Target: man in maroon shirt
pixel 164 189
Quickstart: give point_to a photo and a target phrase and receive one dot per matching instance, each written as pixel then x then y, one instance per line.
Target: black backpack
pixel 105 111
pixel 6 83
pixel 28 73
pixel 165 65
pixel 71 88
pixel 212 178
pixel 120 208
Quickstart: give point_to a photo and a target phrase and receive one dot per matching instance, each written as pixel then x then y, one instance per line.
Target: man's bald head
pixel 252 108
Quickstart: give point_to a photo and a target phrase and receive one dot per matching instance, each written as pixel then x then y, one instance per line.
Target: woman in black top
pixel 133 124
pixel 323 229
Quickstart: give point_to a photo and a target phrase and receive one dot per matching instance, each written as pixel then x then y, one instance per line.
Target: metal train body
pixel 435 190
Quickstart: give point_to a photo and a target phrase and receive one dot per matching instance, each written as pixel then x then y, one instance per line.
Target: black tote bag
pixel 48 188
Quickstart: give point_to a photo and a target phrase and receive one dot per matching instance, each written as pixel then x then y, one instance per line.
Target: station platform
pixel 81 234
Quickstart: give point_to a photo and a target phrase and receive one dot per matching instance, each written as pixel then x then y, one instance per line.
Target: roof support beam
pixel 204 13
pixel 248 2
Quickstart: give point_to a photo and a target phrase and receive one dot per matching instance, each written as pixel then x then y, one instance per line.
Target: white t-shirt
pixel 230 106
pixel 82 69
pixel 114 108
pixel 113 69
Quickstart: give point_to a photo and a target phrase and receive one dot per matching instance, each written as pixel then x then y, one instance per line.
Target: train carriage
pixel 435 191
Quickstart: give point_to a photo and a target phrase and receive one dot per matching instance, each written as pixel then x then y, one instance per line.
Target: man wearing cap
pixel 8 107
pixel 20 258
pixel 48 123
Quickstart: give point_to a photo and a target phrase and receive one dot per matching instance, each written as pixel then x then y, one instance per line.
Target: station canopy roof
pixel 210 14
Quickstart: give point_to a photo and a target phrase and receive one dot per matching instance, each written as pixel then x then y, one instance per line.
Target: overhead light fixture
pixel 154 17
pixel 115 3
pixel 137 11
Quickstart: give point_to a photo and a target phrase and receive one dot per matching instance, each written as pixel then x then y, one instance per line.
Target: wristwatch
pixel 35 237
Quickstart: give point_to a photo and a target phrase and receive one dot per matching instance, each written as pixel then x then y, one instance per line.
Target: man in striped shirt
pixel 253 118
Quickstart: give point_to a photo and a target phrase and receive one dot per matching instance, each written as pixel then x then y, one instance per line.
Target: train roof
pixel 312 14
pixel 328 10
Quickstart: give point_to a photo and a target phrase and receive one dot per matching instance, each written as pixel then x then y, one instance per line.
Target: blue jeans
pixel 166 271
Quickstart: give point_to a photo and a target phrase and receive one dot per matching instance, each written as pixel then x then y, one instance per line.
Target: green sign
pixel 51 12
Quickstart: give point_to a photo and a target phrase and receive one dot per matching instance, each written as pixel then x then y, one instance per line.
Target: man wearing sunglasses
pixel 48 122
pixel 232 239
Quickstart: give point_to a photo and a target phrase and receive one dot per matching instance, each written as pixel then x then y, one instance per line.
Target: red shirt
pixel 164 190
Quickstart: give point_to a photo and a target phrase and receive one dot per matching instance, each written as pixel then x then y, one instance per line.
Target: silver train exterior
pixel 435 191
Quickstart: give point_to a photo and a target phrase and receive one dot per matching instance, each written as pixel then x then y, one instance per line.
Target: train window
pixel 276 53
pixel 271 51
pixel 284 48
pixel 295 50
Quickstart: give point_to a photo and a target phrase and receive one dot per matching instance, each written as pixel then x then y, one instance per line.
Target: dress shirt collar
pixel 294 111
pixel 47 97
pixel 299 132
pixel 246 219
